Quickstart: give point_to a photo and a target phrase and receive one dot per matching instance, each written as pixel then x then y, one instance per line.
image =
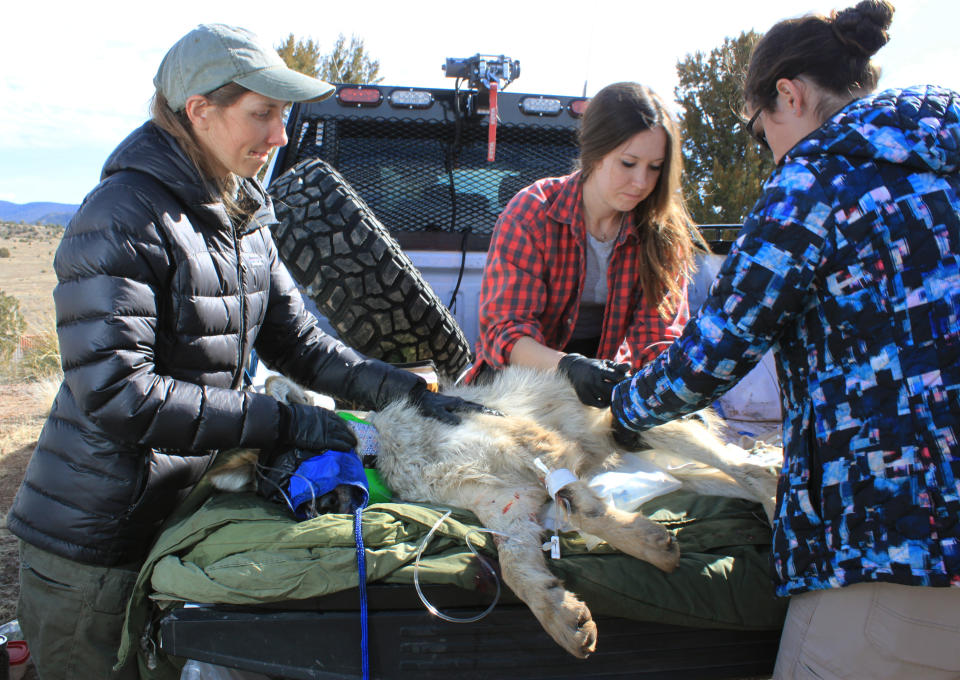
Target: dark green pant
pixel 72 614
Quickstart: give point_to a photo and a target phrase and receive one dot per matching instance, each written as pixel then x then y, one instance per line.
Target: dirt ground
pixel 19 427
pixel 21 417
pixel 27 274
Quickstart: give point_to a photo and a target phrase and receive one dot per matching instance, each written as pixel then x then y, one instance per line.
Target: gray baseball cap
pixel 212 55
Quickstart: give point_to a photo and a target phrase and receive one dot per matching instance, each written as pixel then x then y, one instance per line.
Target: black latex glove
pixel 373 384
pixel 442 407
pixel 593 379
pixel 627 438
pixel 313 429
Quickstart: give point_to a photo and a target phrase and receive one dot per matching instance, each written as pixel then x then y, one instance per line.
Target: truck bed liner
pixel 320 639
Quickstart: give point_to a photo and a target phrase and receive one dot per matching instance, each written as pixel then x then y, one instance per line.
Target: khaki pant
pixel 72 614
pixel 872 631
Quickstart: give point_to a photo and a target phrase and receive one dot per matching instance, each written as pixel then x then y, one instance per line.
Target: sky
pixel 76 77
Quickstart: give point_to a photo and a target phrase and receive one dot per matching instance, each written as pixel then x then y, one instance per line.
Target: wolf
pixel 494 464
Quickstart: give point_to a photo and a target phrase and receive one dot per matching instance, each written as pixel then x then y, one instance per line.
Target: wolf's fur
pixel 486 464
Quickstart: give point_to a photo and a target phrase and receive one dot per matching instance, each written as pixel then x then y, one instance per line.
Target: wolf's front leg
pixel 512 512
pixel 628 532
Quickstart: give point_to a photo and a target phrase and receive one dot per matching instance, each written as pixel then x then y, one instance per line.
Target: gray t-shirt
pixel 594 298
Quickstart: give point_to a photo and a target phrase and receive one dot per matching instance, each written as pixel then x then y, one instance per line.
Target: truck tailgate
pixel 320 639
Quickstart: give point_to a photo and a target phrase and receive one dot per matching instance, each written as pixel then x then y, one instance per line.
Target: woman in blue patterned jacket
pixel 849 267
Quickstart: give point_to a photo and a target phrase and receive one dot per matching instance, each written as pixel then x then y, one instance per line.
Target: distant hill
pixel 37 213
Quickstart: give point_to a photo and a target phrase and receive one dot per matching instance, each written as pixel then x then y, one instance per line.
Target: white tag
pixel 553 547
pixel 554 481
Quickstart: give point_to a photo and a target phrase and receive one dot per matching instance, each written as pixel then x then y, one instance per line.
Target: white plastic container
pixel 199 670
pixel 756 398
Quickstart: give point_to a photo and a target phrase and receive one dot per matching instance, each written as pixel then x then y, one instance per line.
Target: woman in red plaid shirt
pixel 586 274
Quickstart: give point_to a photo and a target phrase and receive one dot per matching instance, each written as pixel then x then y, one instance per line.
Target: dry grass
pixel 28 273
pixel 40 359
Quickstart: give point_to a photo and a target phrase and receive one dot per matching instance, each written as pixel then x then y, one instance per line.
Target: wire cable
pixel 452 156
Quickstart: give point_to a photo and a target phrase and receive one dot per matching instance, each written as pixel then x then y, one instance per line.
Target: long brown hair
pixel 178 125
pixel 833 51
pixel 668 237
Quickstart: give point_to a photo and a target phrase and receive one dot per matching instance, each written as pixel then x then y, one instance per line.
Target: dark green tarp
pixel 239 549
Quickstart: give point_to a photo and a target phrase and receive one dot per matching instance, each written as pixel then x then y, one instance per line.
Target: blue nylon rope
pixel 362 569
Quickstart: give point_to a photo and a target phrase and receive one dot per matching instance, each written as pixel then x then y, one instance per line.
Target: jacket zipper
pixel 238 375
pixel 815 480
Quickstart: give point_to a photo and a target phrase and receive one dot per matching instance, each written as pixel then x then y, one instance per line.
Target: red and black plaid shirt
pixel 534 277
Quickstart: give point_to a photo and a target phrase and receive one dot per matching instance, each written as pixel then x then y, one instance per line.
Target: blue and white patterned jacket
pixel 849 267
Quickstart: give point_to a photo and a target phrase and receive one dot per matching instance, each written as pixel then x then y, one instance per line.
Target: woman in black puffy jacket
pixel 167 278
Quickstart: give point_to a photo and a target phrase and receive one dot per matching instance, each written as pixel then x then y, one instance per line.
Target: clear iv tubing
pixel 416 574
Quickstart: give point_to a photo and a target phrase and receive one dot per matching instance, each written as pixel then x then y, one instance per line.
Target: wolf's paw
pixel 569 623
pixel 652 543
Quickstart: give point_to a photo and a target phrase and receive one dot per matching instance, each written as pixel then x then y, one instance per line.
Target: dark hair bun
pixel 863 29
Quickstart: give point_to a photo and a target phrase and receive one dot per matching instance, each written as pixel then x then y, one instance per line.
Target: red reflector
pixel 359 96
pixel 577 107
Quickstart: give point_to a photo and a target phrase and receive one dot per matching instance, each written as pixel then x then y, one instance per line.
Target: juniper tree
pixel 724 167
pixel 345 63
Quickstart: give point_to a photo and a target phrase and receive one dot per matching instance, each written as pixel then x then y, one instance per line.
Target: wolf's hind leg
pixel 693 441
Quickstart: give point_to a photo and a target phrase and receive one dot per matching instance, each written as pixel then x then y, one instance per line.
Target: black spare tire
pixel 347 262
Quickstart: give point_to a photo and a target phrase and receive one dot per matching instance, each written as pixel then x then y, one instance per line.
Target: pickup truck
pixel 387 197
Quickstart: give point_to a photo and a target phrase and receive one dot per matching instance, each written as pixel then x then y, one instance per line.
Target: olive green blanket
pixel 239 549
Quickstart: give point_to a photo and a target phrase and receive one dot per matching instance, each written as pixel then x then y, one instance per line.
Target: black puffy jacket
pixel 159 301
